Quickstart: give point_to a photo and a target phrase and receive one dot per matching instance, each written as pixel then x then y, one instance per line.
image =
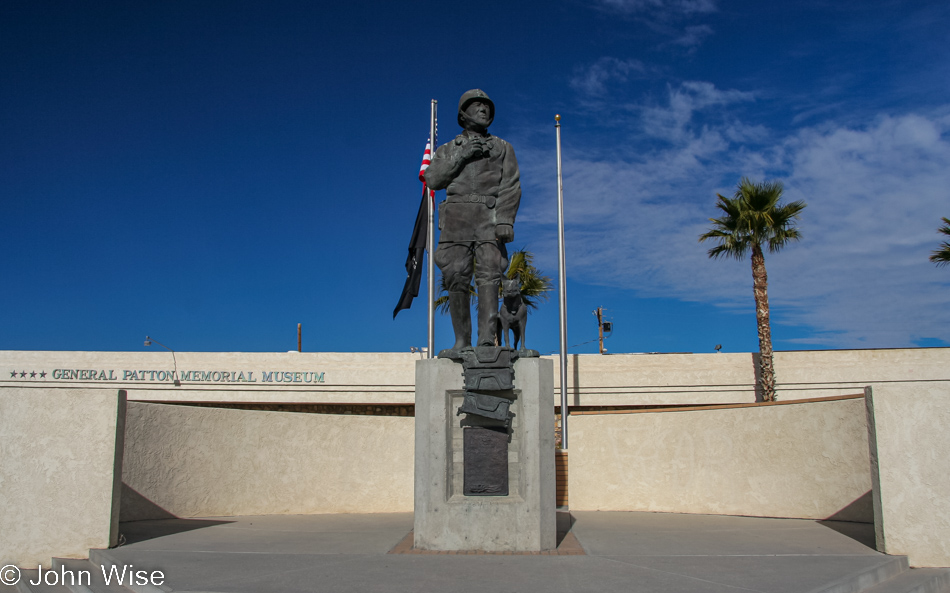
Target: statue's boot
pixel 461 310
pixel 487 314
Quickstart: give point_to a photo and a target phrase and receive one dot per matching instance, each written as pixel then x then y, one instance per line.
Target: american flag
pixel 426 159
pixel 417 244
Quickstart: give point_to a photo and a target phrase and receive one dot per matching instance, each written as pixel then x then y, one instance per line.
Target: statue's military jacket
pixel 485 192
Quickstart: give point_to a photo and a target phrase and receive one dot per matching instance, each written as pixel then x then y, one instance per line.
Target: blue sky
pixel 214 173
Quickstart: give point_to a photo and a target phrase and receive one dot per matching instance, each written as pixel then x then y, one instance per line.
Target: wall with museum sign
pixel 387 378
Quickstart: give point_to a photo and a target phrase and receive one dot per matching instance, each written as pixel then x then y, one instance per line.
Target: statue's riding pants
pixel 459 261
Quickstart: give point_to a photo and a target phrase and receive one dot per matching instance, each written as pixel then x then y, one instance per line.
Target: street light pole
pixel 562 287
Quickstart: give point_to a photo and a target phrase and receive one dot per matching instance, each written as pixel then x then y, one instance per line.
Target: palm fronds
pixel 753 216
pixel 535 286
pixel 941 256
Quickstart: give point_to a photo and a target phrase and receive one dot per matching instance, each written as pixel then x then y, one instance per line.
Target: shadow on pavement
pixel 863 533
pixel 133 532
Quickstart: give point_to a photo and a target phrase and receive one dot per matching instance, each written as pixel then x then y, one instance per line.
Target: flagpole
pixel 430 238
pixel 562 287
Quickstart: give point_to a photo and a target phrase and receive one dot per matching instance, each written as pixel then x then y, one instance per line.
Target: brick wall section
pixel 560 466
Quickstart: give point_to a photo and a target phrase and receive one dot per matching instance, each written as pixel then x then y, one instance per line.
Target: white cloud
pixel 875 197
pixel 860 277
pixel 592 80
pixel 685 7
pixel 693 35
pixel 666 18
pixel 670 120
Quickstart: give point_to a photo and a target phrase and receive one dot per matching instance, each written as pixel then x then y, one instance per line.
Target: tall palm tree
pixel 752 218
pixel 941 256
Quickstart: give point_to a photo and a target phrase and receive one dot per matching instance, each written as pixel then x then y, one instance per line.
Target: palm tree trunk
pixel 760 287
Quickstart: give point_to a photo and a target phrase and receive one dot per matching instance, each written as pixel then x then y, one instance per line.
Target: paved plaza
pixel 621 552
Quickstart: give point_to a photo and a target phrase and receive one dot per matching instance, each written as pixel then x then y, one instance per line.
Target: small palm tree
pixel 752 218
pixel 535 286
pixel 941 256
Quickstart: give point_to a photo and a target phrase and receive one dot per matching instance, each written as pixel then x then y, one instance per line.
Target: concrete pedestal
pixel 445 519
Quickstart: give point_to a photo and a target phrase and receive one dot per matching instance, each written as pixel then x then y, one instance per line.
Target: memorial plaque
pixel 485 458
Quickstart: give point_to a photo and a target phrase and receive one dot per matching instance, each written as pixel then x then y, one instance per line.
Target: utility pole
pixel 600 327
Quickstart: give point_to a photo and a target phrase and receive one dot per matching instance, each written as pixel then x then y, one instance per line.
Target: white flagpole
pixel 430 237
pixel 562 287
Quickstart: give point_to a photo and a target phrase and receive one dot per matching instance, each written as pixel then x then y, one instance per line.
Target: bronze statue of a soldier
pixel 483 190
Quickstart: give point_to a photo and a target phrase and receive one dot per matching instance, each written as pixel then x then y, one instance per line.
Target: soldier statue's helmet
pixel 472 95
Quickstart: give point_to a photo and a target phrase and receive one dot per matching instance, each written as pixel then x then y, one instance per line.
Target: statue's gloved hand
pixel 472 148
pixel 504 233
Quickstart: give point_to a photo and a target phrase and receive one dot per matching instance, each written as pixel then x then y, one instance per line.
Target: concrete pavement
pixel 623 552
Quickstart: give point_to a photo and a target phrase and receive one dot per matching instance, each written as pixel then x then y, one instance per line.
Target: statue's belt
pixel 489 201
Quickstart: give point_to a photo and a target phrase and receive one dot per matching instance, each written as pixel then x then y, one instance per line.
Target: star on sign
pixel 32 374
pixel 22 373
pixel 13 375
pixel 43 375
